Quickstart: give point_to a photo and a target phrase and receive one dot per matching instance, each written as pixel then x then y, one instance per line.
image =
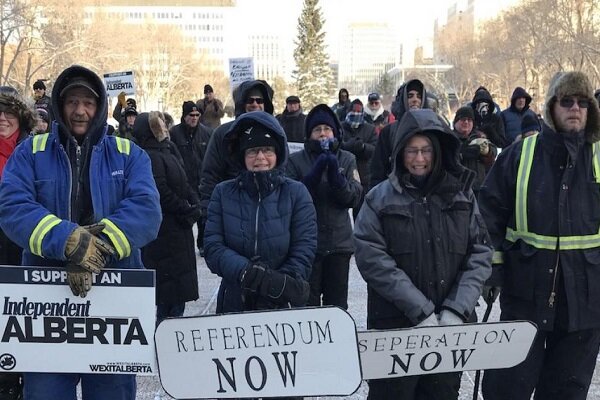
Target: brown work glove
pixel 87 251
pixel 80 280
pixel 122 100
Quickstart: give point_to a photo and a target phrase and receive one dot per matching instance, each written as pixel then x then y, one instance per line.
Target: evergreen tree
pixel 313 75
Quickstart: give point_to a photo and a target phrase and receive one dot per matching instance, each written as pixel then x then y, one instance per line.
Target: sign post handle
pixel 490 303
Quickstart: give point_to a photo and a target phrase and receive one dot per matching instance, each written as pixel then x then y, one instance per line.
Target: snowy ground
pixel 149 387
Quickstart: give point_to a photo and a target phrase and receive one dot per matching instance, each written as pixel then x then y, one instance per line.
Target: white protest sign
pixel 45 328
pixel 295 146
pixel 118 82
pixel 240 70
pixel 433 350
pixel 293 352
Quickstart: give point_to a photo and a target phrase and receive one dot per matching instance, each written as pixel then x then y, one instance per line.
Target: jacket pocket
pixel 47 194
pixel 592 274
pixel 115 189
pixel 520 270
pixel 457 220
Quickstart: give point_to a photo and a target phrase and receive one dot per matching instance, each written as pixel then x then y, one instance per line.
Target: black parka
pixel 172 253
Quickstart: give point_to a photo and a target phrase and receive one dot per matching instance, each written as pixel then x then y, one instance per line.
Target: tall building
pixel 368 50
pixel 271 59
pixel 203 23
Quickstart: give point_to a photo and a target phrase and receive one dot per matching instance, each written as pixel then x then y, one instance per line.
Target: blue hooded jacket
pixel 36 204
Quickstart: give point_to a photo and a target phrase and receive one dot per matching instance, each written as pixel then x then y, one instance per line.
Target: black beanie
pixel 39 84
pixel 529 123
pixel 208 89
pixel 188 107
pixel 464 112
pixel 357 106
pixel 321 117
pixel 415 85
pixel 256 135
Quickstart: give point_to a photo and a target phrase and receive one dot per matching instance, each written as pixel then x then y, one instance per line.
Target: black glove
pixel 252 277
pixel 281 288
pixel 192 215
pixel 490 293
pixel 349 144
pixel 313 178
pixel 334 176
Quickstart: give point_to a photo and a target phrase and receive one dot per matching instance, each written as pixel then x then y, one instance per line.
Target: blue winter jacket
pixel 38 192
pixel 258 215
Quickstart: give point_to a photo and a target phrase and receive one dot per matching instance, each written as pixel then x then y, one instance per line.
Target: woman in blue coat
pixel 261 231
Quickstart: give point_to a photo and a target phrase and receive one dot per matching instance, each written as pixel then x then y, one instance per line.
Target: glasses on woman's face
pixel 267 151
pixel 8 112
pixel 413 152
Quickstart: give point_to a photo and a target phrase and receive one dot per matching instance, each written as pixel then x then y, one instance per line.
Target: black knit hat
pixel 529 123
pixel 43 114
pixel 256 135
pixel 39 84
pixel 321 117
pixel 208 89
pixel 188 107
pixel 464 112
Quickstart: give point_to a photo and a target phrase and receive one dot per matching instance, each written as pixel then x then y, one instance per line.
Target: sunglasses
pixel 9 112
pixel 568 102
pixel 194 115
pixel 258 100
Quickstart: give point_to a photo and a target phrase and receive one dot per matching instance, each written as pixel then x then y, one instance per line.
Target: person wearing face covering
pixel 331 176
pixel 487 120
pixel 422 247
pixel 17 119
pixel 261 232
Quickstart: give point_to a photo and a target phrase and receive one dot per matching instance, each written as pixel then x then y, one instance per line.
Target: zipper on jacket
pixel 69 206
pixel 78 174
pixel 256 216
pixel 553 293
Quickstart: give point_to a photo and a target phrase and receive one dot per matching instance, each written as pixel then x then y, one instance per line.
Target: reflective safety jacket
pixel 541 203
pixel 35 199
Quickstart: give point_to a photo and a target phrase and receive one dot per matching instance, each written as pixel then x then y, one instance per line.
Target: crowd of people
pixel 436 213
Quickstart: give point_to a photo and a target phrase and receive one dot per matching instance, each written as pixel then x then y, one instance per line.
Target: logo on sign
pixel 7 362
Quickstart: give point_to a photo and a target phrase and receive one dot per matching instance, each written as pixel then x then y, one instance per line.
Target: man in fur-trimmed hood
pixel 540 204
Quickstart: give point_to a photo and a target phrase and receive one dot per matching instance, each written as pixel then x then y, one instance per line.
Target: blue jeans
pixel 50 386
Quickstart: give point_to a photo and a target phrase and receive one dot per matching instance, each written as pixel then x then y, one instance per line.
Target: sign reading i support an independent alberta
pixel 292 352
pixel 438 349
pixel 45 328
pixel 117 82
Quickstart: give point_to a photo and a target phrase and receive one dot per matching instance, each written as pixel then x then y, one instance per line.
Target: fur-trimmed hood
pixel 10 98
pixel 150 126
pixel 571 84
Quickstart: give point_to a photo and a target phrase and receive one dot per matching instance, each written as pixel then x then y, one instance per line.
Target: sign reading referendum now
pixel 292 352
pixel 433 350
pixel 45 328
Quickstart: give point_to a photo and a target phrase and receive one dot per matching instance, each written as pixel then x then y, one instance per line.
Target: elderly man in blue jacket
pixel 81 199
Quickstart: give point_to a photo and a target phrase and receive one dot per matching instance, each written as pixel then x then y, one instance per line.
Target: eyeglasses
pixel 194 115
pixel 8 115
pixel 568 102
pixel 9 112
pixel 39 88
pixel 373 101
pixel 413 152
pixel 268 151
pixel 258 100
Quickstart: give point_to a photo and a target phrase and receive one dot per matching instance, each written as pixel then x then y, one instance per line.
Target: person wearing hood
pixel 172 254
pixel 94 205
pixel 487 120
pixel 514 114
pixel 375 114
pixel 292 120
pixel 126 123
pixel 217 166
pixel 422 247
pixel 331 176
pixel 43 122
pixel 341 108
pixel 476 152
pixel 541 204
pixel 17 119
pixel 411 96
pixel 191 138
pixel 261 232
pixel 359 139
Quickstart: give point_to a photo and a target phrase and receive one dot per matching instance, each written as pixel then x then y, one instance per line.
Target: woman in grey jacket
pixel 421 246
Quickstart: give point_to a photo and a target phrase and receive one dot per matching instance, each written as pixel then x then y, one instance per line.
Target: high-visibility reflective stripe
pixel 117 238
pixel 596 147
pixel 498 257
pixel 523 183
pixel 40 231
pixel 123 145
pixel 39 142
pixel 542 241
